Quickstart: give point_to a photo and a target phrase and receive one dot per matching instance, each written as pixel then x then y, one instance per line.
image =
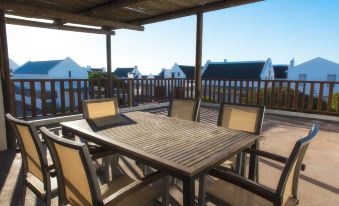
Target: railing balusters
pixel 229 91
pixel 79 95
pixel 224 91
pixel 280 95
pixel 272 100
pixel 246 95
pixel 303 97
pixel 23 99
pixel 240 92
pixel 235 91
pixel 71 95
pixel 310 99
pixel 53 98
pixel 320 97
pixel 252 91
pixel 258 92
pixel 330 96
pixel 265 92
pixel 85 89
pixel 43 97
pixel 33 98
pixel 288 91
pixel 62 93
pixel 296 96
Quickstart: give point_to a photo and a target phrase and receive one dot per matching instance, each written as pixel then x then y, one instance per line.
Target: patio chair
pixel 101 113
pixel 232 189
pixel 240 117
pixel 82 187
pixel 36 170
pixel 185 109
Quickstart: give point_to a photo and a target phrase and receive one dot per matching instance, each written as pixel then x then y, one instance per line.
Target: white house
pixel 12 66
pixel 317 69
pixel 178 71
pixel 122 73
pixel 52 69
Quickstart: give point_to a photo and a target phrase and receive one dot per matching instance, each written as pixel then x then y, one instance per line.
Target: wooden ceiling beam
pixel 23 22
pixel 192 11
pixel 114 4
pixel 36 12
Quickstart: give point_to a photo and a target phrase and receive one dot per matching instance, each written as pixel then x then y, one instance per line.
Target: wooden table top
pixel 177 146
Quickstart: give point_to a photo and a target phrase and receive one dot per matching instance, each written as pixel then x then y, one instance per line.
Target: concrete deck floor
pixel 319 184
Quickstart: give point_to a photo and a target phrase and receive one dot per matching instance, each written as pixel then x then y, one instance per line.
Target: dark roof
pixel 188 70
pixel 38 67
pixel 236 70
pixel 280 71
pixel 122 72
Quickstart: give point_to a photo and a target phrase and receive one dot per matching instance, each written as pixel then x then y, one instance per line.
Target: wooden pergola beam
pixel 6 80
pixel 116 4
pixel 29 23
pixel 198 56
pixel 36 12
pixel 192 11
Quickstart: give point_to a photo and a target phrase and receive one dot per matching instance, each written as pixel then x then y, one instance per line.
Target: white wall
pixel 178 73
pixel 316 70
pixel 3 140
pixel 268 71
pixel 61 71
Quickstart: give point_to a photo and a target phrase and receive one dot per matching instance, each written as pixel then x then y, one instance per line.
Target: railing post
pixel 130 93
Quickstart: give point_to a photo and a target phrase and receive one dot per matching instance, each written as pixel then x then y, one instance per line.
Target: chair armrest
pixel 271 156
pixel 133 187
pixel 247 184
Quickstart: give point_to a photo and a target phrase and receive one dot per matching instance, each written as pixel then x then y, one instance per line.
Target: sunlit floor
pixel 319 184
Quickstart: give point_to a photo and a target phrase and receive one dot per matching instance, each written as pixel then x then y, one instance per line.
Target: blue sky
pixel 277 29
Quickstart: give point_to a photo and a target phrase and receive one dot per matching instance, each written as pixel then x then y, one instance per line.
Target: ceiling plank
pixel 23 22
pixel 113 4
pixel 192 11
pixel 36 12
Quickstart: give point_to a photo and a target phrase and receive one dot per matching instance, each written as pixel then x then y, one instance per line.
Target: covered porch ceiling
pixel 107 15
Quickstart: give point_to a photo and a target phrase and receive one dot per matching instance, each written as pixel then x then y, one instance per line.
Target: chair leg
pixel 165 195
pixel 202 192
pixel 23 195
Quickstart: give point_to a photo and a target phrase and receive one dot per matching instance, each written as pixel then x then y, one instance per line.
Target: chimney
pixel 292 63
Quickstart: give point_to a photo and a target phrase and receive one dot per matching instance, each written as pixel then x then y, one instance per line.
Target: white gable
pixel 316 69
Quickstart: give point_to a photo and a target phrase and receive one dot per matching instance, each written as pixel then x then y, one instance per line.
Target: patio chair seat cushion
pixel 143 196
pixel 38 186
pixel 234 195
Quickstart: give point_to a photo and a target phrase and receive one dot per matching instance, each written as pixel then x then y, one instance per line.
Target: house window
pixel 302 77
pixel 173 74
pixel 69 74
pixel 331 77
pixel 178 74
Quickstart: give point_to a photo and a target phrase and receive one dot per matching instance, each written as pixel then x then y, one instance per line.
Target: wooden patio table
pixel 183 149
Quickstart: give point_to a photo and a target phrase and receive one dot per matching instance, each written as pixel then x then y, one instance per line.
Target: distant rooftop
pixel 188 70
pixel 280 71
pixel 122 72
pixel 37 67
pixel 234 70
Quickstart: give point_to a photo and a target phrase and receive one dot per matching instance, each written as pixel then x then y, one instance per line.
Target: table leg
pixel 202 192
pixel 253 173
pixel 188 191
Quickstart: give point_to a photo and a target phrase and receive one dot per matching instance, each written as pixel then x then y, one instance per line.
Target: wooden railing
pixel 35 98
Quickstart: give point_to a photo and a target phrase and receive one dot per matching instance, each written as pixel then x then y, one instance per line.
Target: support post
pixel 6 79
pixel 198 55
pixel 109 66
